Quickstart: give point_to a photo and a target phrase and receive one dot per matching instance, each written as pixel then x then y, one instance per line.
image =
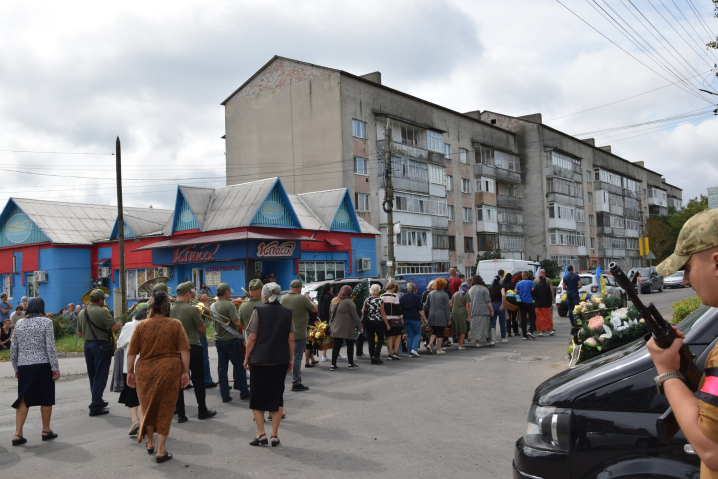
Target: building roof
pixel 324 204
pixel 235 206
pixel 198 200
pixel 146 221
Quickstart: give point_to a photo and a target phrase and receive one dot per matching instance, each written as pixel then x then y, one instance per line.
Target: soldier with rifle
pixel 695 408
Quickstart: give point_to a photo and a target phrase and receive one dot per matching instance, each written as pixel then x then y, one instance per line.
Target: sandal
pixel 277 442
pixel 165 458
pixel 150 450
pixel 47 435
pixel 18 442
pixel 258 441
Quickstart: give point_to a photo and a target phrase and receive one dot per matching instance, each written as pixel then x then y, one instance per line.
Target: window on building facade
pixel 360 166
pixel 631 185
pixel 33 288
pixel 579 215
pixel 452 243
pixel 412 203
pixel 511 243
pixel 591 221
pixel 465 185
pixel 632 224
pixel 564 187
pixel 560 160
pixel 468 244
pixel 467 215
pixel 359 128
pixel 437 175
pixel 440 239
pixel 609 198
pixel 450 211
pixel 590 198
pixel 611 242
pixel 311 271
pixel 486 213
pixel 410 169
pixel 435 141
pixel 588 176
pixel 562 212
pixel 567 238
pixel 607 177
pixel 414 268
pixel 449 182
pixel 507 161
pixel 447 151
pixel 509 190
pixel 7 286
pixel 631 243
pixel 593 243
pixel 487 185
pixel 463 155
pixel 506 217
pixel 487 242
pixel 412 238
pixel 437 206
pixel 361 202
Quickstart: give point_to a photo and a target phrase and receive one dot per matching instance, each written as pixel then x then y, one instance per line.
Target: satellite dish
pixel 145 289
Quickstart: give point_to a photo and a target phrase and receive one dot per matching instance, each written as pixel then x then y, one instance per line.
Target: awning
pixel 224 237
pixel 333 242
pixel 103 261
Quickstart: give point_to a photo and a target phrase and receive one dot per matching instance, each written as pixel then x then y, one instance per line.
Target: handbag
pixel 117 385
pixel 107 349
pixel 397 321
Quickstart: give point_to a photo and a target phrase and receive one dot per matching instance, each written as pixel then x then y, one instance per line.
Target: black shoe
pixel 376 361
pixel 258 441
pixel 309 365
pixel 211 385
pixel 244 398
pixel 18 442
pixel 164 458
pixel 104 404
pixel 48 435
pixel 275 443
pixel 300 387
pixel 353 366
pixel 99 412
pixel 206 414
pixel 189 386
pixel 181 418
pixel 227 399
pixel 333 368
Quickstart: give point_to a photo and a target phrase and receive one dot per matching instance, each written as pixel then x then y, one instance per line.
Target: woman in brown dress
pixel 159 371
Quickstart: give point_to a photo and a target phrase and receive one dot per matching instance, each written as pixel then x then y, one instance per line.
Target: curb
pixel 82 355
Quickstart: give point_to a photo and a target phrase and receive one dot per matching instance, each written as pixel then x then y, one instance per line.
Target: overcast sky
pixel 74 75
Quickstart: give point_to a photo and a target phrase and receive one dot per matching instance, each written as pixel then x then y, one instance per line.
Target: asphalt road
pixel 456 415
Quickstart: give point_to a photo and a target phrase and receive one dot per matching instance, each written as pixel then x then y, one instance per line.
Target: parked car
pixel 488 268
pixel 674 281
pixel 421 280
pixel 599 419
pixel 315 288
pixel 652 281
pixel 589 287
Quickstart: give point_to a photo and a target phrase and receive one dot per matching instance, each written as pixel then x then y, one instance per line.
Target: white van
pixel 490 267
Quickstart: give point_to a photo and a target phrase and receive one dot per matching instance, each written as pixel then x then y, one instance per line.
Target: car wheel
pixel 650 288
pixel 660 290
pixel 562 312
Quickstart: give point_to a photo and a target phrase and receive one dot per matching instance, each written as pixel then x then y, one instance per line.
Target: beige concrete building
pixel 457 179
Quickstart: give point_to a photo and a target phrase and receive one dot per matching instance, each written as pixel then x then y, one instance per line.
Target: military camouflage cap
pixel 698 234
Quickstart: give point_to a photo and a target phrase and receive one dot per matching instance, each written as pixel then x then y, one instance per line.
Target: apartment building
pixel 582 204
pixel 457 179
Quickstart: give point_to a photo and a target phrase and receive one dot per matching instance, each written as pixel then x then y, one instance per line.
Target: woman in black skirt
pixel 128 396
pixel 270 350
pixel 34 359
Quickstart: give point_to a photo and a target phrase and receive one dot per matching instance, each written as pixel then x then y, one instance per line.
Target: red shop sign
pixel 285 249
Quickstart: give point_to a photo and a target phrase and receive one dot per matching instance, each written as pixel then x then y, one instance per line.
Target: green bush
pixel 681 309
pixel 58 328
pixel 612 302
pixel 556 281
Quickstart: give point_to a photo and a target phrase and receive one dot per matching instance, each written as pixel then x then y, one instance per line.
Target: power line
pixel 678 121
pixel 58 152
pixel 634 125
pixel 648 133
pixel 698 41
pixel 701 21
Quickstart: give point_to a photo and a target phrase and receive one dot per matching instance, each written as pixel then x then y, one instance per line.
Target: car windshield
pixel 694 319
pixel 644 271
pixel 677 274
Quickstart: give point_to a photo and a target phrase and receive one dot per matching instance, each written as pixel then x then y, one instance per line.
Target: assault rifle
pixel 663 334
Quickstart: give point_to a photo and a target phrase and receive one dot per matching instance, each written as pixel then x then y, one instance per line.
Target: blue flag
pixel 598 277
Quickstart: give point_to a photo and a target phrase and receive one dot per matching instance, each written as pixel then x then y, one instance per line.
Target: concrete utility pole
pixel 121 228
pixel 643 233
pixel 389 201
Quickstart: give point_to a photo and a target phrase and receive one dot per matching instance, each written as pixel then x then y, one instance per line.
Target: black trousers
pixel 196 367
pixel 360 343
pixel 338 342
pixel 527 309
pixel 512 323
pixel 378 328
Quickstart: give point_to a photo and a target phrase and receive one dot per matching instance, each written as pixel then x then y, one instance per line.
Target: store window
pixel 33 288
pixel 135 278
pixel 311 271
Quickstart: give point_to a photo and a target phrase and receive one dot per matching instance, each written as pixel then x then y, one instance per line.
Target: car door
pixel 612 287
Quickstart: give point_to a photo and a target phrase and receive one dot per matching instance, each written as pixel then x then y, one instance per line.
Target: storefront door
pixel 198 277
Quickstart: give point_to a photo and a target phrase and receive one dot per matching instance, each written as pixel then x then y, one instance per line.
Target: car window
pixel 677 274
pixel 586 280
pixel 694 318
pixel 610 281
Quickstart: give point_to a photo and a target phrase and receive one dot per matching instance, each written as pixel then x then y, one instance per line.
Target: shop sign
pixel 272 210
pixel 275 249
pixel 195 253
pixel 186 216
pixel 18 228
pixel 342 217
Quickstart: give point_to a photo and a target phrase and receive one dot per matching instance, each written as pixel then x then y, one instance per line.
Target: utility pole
pixel 121 227
pixel 643 233
pixel 389 201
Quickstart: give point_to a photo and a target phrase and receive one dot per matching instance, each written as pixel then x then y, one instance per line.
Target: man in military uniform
pixel 161 287
pixel 697 414
pixel 301 306
pixel 255 299
pixel 193 325
pixel 229 345
pixel 95 324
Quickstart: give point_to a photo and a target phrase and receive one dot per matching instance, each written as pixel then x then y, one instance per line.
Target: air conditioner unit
pixel 165 271
pixel 40 276
pixel 364 264
pixel 103 272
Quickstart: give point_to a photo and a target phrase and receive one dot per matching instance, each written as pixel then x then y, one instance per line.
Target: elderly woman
pixel 438 314
pixel 392 311
pixel 344 320
pixel 270 350
pixel 413 316
pixel 460 310
pixel 160 371
pixel 376 323
pixel 128 396
pixel 481 312
pixel 6 334
pixel 34 359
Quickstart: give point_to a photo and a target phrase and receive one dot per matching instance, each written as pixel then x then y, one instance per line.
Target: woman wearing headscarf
pixel 270 350
pixel 128 396
pixel 413 315
pixel 481 312
pixel 159 373
pixel 460 310
pixel 325 302
pixel 343 321
pixel 438 314
pixel 498 301
pixel 34 358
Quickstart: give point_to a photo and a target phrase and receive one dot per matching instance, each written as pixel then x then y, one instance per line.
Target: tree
pixel 661 239
pixel 715 43
pixel 489 254
pixel 679 218
pixel 553 270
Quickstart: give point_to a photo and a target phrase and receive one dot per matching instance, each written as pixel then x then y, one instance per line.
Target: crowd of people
pixel 163 350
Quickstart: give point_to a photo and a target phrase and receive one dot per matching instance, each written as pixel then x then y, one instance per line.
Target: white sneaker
pixel 415 353
pixel 478 345
pixel 491 343
pixel 325 359
pixel 541 334
pixel 504 340
pixel 342 357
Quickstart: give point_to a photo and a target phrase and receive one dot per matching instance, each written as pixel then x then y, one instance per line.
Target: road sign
pixel 651 255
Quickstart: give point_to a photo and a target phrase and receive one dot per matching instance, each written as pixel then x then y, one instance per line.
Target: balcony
pixel 563 173
pixel 483 197
pixel 630 213
pixel 611 253
pixel 611 231
pixel 565 199
pixel 481 169
pixel 413 150
pixel 508 201
pixel 632 233
pixel 631 194
pixel 511 229
pixel 486 227
pixel 653 201
pixel 556 223
pixel 406 184
pixel 610 187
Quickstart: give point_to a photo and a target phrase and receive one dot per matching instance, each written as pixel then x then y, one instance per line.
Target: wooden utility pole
pixel 389 202
pixel 121 228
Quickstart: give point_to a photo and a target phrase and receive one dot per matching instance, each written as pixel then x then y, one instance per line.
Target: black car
pixel 598 420
pixel 652 281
